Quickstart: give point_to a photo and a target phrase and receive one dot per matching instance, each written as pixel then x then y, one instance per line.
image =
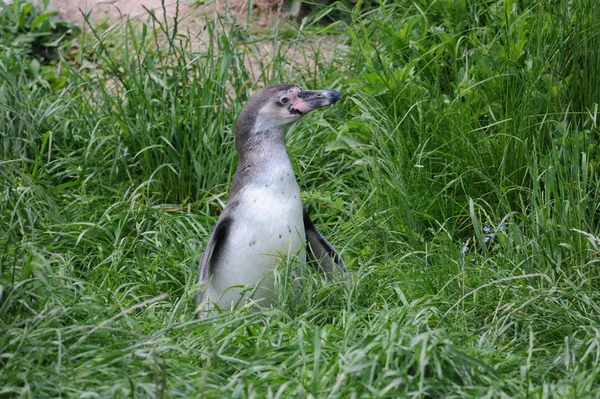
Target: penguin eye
pixel 284 100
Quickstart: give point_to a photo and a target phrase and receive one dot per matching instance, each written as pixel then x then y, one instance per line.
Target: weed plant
pixel 459 177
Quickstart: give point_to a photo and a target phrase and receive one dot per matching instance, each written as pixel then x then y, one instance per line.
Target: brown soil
pixel 111 10
pixel 266 13
pixel 115 11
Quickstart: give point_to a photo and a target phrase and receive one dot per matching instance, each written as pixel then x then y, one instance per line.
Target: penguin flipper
pixel 213 249
pixel 320 251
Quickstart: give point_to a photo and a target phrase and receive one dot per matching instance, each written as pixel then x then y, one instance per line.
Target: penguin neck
pixel 262 149
pixel 262 159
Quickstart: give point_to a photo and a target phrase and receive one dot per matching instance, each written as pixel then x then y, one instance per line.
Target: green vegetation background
pixel 459 176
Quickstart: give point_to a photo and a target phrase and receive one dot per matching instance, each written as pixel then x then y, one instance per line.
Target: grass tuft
pixel 458 176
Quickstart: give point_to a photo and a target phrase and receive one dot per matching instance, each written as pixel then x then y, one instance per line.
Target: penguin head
pixel 276 106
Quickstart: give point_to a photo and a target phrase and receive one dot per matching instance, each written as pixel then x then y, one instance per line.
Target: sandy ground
pixel 191 17
pixel 115 11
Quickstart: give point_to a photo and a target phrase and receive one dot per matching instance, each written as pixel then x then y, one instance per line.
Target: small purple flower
pixel 501 227
pixel 488 237
pixel 464 249
pixel 486 229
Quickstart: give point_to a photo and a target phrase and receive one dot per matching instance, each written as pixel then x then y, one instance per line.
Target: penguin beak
pixel 308 100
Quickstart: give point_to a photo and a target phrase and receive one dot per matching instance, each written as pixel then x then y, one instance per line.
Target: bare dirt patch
pixel 111 10
pixel 115 11
pixel 300 53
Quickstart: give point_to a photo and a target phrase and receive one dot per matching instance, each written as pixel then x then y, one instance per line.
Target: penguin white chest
pixel 267 224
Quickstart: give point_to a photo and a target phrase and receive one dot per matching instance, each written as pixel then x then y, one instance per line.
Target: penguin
pixel 264 218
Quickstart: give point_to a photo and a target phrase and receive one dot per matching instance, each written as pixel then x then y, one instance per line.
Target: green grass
pixel 459 120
